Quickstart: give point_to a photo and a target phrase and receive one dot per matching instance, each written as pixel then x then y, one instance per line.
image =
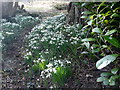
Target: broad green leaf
pixel 96 50
pixel 88 39
pixel 115 15
pixel 106 82
pixel 113 41
pixel 111 32
pixel 91 17
pixel 106 60
pixel 86 12
pixel 95 45
pixel 101 79
pixel 105 74
pixel 83 16
pixel 97 30
pixel 114 70
pixel 90 22
pixel 112 83
pixel 113 79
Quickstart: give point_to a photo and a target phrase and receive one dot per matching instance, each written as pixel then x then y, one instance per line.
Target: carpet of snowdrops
pixel 51 49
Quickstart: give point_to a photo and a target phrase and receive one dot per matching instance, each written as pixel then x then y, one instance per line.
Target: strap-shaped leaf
pixel 111 32
pixel 106 60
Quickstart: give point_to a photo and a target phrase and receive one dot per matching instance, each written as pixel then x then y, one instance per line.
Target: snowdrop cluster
pixel 52 67
pixel 26 21
pixel 50 41
pixel 11 30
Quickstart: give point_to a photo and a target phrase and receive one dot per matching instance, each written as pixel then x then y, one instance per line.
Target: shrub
pixel 102 40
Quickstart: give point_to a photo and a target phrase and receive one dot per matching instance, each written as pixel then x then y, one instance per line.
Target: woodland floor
pixel 14 68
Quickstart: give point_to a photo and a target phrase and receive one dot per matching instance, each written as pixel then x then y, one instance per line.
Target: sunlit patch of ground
pixel 42 6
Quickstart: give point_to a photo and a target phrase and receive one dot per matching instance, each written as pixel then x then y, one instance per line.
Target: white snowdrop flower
pixel 51 87
pixel 34 47
pixel 48 75
pixel 50 42
pixel 54 70
pixel 49 65
pixel 60 56
pixel 72 42
pixel 39 59
pixel 68 62
pixel 92 48
pixel 66 40
pixel 75 42
pixel 29 53
pixel 42 74
pixel 42 60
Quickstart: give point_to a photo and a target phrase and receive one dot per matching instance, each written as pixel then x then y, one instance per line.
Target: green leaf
pixel 111 32
pixel 114 70
pixel 97 30
pixel 105 74
pixel 113 79
pixel 88 39
pixel 83 16
pixel 95 45
pixel 101 79
pixel 113 41
pixel 86 12
pixel 106 60
pixel 90 22
pixel 96 50
pixel 112 83
pixel 106 82
pixel 114 15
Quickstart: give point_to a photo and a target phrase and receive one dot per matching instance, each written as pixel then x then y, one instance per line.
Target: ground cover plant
pixel 13 28
pixel 51 48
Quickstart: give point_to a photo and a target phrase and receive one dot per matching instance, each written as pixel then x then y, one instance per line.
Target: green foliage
pixel 110 78
pixel 56 43
pixel 11 31
pixel 61 75
pixel 106 60
pixel 103 28
pixel 26 21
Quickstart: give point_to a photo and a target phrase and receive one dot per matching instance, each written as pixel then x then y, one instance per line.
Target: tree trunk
pixel 74 14
pixel 9 9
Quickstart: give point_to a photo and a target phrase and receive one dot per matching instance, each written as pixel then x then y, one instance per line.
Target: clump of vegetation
pixel 11 30
pixel 55 43
pixel 102 39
